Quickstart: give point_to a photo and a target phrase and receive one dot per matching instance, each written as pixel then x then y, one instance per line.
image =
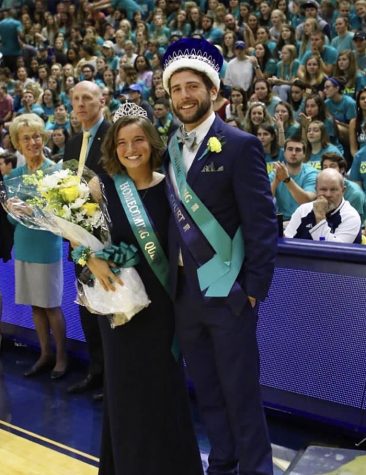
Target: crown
pixel 192 53
pixel 193 48
pixel 129 109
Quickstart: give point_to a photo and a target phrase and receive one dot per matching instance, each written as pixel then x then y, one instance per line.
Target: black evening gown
pixel 147 426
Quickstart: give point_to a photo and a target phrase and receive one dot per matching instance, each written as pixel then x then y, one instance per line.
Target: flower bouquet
pixel 59 202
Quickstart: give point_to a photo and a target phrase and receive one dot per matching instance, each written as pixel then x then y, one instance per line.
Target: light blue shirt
pixel 358 168
pixel 285 202
pixel 93 131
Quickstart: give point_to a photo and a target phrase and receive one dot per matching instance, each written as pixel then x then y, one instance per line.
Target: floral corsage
pixel 214 145
pixel 81 254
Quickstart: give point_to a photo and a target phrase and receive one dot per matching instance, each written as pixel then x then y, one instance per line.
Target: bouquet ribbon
pixel 123 255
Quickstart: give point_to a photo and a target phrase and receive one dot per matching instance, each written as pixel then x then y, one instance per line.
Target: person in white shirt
pixel 240 70
pixel 330 217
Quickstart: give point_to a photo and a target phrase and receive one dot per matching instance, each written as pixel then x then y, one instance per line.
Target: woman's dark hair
pixel 359 116
pixel 147 62
pixel 281 41
pixel 271 130
pixel 324 138
pixel 55 96
pixel 322 111
pixel 267 56
pixel 290 111
pixel 110 160
pixel 55 149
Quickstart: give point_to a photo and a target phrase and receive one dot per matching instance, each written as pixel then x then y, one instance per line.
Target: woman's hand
pixel 304 119
pixel 101 271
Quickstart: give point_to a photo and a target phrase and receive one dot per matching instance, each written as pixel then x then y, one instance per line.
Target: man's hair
pixel 90 66
pixel 334 158
pixel 294 139
pixel 9 157
pixel 318 33
pixel 206 80
pixel 163 101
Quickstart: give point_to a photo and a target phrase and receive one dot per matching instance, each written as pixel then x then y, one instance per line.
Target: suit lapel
pixel 203 154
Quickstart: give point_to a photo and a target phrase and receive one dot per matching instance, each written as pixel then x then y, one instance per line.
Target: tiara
pixel 129 109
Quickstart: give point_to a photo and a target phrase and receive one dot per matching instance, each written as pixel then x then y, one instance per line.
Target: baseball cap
pixel 240 45
pixel 359 35
pixel 108 44
pixel 135 87
pixel 310 3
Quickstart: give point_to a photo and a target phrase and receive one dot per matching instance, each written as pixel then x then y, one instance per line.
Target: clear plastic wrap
pixel 57 201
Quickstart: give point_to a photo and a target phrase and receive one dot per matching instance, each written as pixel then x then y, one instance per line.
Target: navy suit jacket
pixel 73 147
pixel 234 186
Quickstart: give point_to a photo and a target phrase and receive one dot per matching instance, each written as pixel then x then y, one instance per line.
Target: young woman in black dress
pixel 147 427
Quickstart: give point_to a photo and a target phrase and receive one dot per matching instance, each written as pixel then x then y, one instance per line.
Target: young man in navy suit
pixel 222 252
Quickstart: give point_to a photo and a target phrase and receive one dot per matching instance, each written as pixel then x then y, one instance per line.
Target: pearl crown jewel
pixel 192 54
pixel 129 109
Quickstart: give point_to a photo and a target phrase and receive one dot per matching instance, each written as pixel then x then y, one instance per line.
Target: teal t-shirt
pixel 356 196
pixel 344 110
pixel 314 159
pixel 285 203
pixel 341 43
pixel 270 161
pixel 329 55
pixel 358 168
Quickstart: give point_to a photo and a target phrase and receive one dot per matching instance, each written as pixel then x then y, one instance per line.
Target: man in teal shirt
pixel 292 182
pixel 11 48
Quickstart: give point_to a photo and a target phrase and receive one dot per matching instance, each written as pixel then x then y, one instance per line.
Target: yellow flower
pixel 71 181
pixel 90 208
pixel 82 262
pixel 214 145
pixel 69 194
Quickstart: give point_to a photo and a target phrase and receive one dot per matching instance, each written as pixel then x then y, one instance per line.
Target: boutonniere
pixel 214 145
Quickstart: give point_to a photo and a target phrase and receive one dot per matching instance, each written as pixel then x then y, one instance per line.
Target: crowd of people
pixel 291 69
pixel 293 74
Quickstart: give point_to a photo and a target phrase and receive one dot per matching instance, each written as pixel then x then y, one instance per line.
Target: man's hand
pixel 320 208
pixel 281 171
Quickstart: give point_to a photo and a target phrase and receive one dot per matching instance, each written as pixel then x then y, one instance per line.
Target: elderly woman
pixel 147 427
pixel 38 256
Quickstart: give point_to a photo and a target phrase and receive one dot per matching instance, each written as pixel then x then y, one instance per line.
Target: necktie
pixel 189 140
pixel 83 152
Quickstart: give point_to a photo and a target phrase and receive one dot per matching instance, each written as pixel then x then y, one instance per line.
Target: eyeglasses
pixel 28 138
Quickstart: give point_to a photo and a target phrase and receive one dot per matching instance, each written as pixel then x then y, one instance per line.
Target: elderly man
pixel 330 217
pixel 353 191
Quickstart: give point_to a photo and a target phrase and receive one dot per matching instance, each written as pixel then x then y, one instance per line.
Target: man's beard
pixel 202 110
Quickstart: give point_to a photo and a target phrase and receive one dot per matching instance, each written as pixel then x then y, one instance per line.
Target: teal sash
pixel 145 234
pixel 218 275
pixel 142 228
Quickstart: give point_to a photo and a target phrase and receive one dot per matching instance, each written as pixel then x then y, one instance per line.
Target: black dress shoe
pixel 98 397
pixel 92 381
pixel 39 368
